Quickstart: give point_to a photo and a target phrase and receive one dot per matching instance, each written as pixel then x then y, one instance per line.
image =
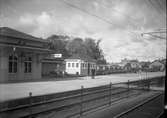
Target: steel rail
pixel 105 104
pixel 138 105
pixel 73 104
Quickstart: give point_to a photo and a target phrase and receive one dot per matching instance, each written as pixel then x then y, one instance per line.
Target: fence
pixel 79 100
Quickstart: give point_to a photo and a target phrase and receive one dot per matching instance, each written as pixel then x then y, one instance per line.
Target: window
pixel 72 64
pixel 28 65
pixel 69 64
pixel 85 65
pixel 12 64
pixel 82 65
pixel 77 65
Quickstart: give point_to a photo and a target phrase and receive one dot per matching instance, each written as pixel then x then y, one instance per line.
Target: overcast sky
pixel 118 23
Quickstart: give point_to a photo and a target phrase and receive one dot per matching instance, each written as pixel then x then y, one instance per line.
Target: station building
pixel 77 65
pixel 20 55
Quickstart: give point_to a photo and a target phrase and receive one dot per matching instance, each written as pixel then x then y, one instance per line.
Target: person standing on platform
pixel 93 73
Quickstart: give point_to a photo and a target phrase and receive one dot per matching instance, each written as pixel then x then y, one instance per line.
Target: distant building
pixel 79 65
pixel 102 66
pixel 129 65
pixel 20 55
pixel 157 65
pixel 115 66
pixel 135 64
pixel 163 61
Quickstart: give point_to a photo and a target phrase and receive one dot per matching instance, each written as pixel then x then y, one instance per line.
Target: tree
pixel 58 44
pixel 145 66
pixel 84 48
pixel 76 47
pixel 94 50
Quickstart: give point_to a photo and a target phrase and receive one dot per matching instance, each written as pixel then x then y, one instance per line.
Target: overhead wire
pixel 127 16
pixel 155 34
pixel 91 14
pixel 133 20
pixel 105 20
pixel 99 17
pixel 86 11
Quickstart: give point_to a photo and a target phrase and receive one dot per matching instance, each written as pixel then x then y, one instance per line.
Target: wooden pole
pixel 81 102
pixel 110 93
pixel 128 84
pixel 30 100
pixel 128 89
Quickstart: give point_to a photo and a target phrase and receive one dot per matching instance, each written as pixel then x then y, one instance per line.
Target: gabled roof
pixel 145 63
pixel 163 61
pixel 156 62
pixel 9 32
pixel 75 57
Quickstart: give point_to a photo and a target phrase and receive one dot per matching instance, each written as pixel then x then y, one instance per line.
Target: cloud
pixel 121 37
pixel 36 24
pixel 27 20
pixel 44 19
pixel 46 24
pixel 117 43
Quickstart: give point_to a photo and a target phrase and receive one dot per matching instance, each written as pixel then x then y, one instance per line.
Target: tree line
pixel 88 47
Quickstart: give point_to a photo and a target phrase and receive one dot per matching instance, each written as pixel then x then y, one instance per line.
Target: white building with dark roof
pixel 79 66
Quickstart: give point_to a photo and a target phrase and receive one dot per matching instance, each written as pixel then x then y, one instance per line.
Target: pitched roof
pixel 163 61
pixel 156 63
pixel 9 32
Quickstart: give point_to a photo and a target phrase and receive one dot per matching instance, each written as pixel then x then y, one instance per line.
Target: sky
pixel 118 23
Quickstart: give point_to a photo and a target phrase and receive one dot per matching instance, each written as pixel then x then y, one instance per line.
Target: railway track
pixel 69 104
pixel 150 108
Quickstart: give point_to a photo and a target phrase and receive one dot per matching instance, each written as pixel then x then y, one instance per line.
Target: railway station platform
pixel 11 91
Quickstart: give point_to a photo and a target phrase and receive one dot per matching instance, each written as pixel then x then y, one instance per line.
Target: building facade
pixel 20 55
pixel 79 66
pixel 157 66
